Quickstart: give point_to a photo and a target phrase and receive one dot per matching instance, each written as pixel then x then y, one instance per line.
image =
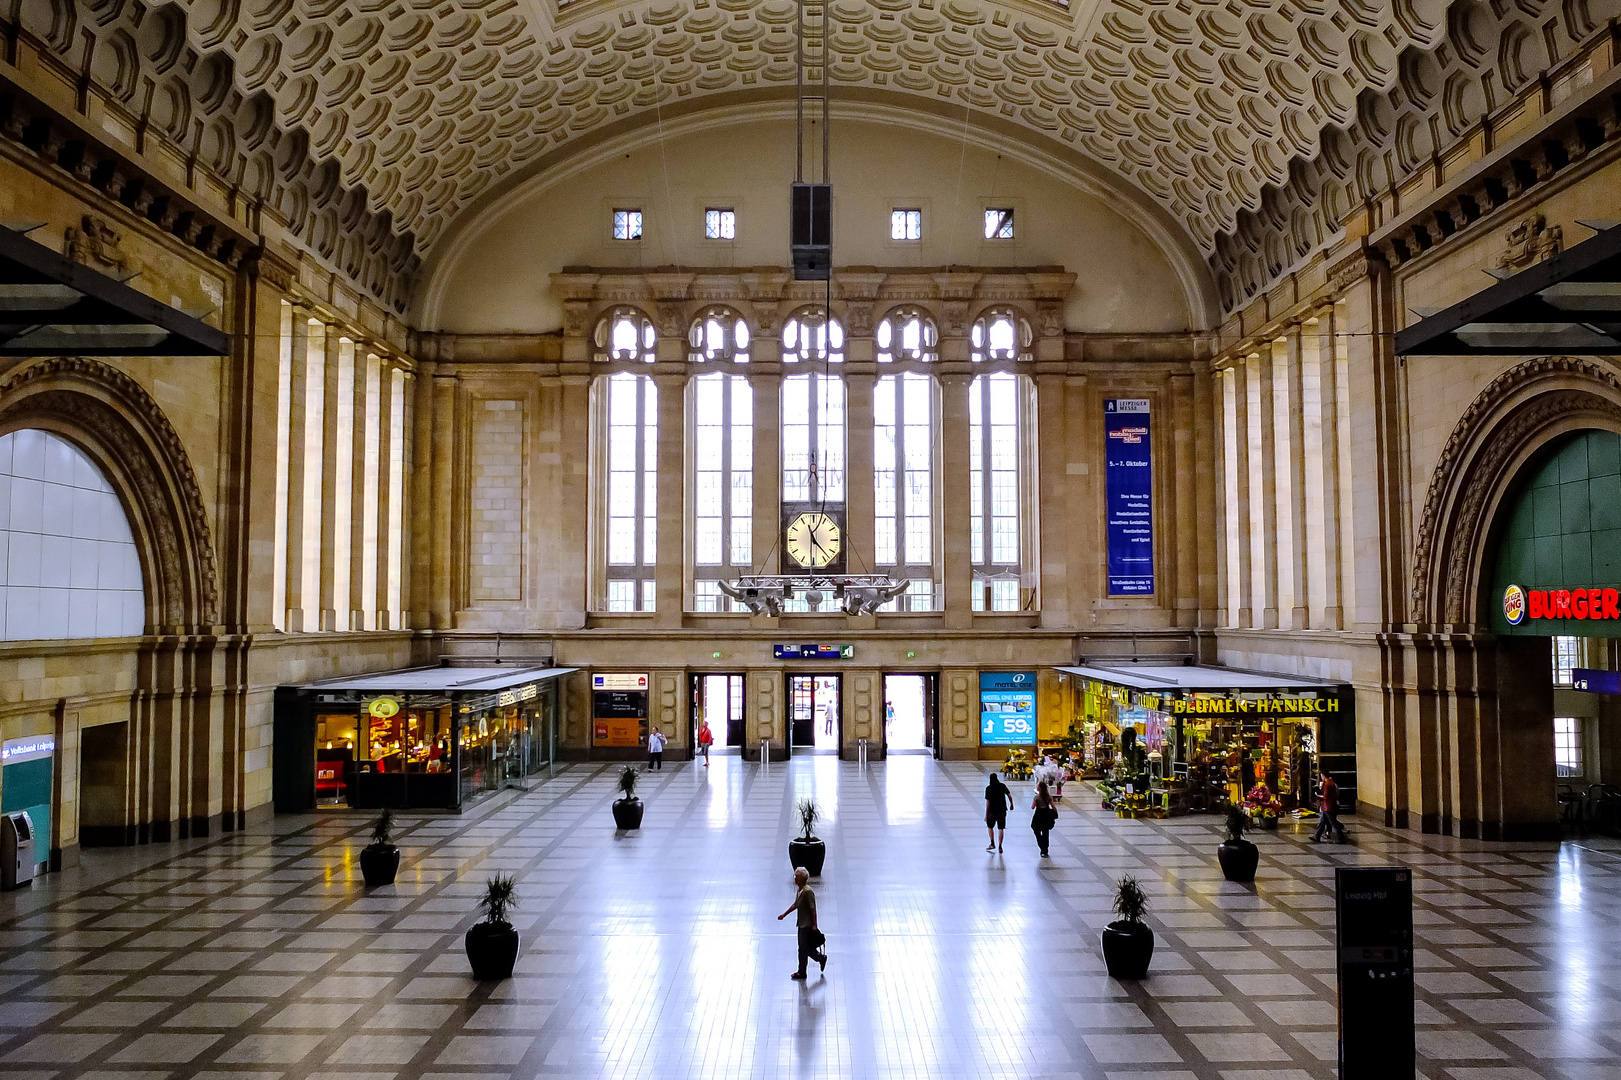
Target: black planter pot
pixel 492 949
pixel 1238 859
pixel 1127 948
pixel 628 813
pixel 379 865
pixel 807 853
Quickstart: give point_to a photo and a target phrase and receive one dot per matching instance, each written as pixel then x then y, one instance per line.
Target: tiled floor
pixel 656 954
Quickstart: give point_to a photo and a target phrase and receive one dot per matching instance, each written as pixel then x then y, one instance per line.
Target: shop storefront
pixel 418 738
pixel 1169 740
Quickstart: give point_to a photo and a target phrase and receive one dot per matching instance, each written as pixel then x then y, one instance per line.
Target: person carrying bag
pixel 1043 817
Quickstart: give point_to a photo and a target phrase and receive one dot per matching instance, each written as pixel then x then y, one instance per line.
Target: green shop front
pixel 417 738
pixel 1556 575
pixel 1176 739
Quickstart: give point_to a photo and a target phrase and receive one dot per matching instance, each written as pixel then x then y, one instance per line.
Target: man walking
pixel 1330 819
pixel 811 937
pixel 655 749
pixel 998 801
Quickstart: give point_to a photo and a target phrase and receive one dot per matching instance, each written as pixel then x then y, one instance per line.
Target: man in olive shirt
pixel 810 936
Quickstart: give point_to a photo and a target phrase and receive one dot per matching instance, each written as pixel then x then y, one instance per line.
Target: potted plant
pixel 380 860
pixel 492 945
pixel 806 850
pixel 1237 855
pixel 1128 945
pixel 628 808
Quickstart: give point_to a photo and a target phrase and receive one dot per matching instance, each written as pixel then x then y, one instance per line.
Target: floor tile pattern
pixel 656 954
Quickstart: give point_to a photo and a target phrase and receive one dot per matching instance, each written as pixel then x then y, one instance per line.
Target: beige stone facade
pixel 403 456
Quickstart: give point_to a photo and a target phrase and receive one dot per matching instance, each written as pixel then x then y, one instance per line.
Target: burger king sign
pixel 1514 605
pixel 1584 605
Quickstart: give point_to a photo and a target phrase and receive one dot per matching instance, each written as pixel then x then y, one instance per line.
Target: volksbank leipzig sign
pixel 1552 610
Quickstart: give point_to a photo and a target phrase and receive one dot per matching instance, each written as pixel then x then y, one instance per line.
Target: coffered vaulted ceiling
pixel 1212 108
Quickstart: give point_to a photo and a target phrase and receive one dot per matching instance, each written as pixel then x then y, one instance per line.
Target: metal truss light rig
pixel 855 594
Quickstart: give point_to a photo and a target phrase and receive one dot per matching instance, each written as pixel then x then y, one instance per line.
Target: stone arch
pixel 114 420
pixel 1519 413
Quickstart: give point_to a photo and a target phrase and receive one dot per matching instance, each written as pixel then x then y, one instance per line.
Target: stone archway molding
pixel 114 419
pixel 1513 417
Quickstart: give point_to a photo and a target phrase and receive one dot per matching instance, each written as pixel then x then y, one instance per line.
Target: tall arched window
pixel 1000 334
pixel 723 485
pixel 625 333
pixel 717 334
pixel 808 336
pixel 906 333
pixel 903 412
pixel 69 567
pixel 812 411
pixel 631 533
pixel 1000 436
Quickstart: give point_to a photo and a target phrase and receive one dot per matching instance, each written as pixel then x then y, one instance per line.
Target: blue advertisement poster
pixel 1128 484
pixel 1007 708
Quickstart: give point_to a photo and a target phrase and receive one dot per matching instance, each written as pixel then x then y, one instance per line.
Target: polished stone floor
pixel 656 954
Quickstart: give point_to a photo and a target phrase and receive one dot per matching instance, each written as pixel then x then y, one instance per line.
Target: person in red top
pixel 706 739
pixel 1331 812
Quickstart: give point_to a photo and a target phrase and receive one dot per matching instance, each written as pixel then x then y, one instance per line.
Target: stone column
pixel 575 556
pixel 670 573
pixel 441 520
pixel 383 620
pixel 1263 491
pixel 1328 396
pixel 862 702
pixel 362 489
pixel 959 714
pixel 1178 522
pixel 1054 503
pixel 297 477
pixel 1242 588
pixel 420 477
pixel 1292 461
pixel 332 371
pixel 763 697
pixel 957 562
pixel 766 382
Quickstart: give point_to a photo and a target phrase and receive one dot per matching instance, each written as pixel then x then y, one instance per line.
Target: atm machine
pixel 16 850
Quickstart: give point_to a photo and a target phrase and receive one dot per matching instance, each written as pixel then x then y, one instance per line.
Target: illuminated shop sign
pixel 619 681
pixel 14 751
pixel 1591 603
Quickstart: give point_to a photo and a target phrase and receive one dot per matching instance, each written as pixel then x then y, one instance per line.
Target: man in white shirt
pixel 655 749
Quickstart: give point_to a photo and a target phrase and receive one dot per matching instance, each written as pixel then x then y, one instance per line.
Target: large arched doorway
pixel 1472 750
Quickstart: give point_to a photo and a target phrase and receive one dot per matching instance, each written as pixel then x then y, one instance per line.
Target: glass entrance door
pixel 719 700
pixel 815 715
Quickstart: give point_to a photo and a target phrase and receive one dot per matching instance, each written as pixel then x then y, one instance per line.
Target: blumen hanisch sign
pixel 1128 484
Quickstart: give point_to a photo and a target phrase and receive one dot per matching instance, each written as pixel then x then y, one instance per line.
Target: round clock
pixel 812 540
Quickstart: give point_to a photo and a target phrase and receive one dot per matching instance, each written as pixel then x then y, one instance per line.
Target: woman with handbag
pixel 1043 818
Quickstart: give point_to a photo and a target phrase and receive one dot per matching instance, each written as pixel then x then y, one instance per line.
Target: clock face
pixel 812 540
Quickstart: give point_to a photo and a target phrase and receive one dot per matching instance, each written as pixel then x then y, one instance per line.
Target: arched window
pixel 718 333
pixel 1000 334
pixel 70 566
pixel 722 453
pixel 907 333
pixel 807 335
pixel 903 411
pixel 624 333
pixel 632 408
pixel 1000 506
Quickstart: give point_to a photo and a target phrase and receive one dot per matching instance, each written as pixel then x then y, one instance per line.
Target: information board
pixel 1007 708
pixel 1373 909
pixel 1129 499
pixel 618 709
pixel 813 652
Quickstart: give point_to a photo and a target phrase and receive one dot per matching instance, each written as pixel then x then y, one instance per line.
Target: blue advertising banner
pixel 1007 708
pixel 1128 487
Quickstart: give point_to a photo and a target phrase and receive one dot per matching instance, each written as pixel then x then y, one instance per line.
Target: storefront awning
pixel 1568 303
pixel 1171 678
pixel 53 306
pixel 438 680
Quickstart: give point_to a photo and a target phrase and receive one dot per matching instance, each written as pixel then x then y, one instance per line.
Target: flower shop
pixel 1170 739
